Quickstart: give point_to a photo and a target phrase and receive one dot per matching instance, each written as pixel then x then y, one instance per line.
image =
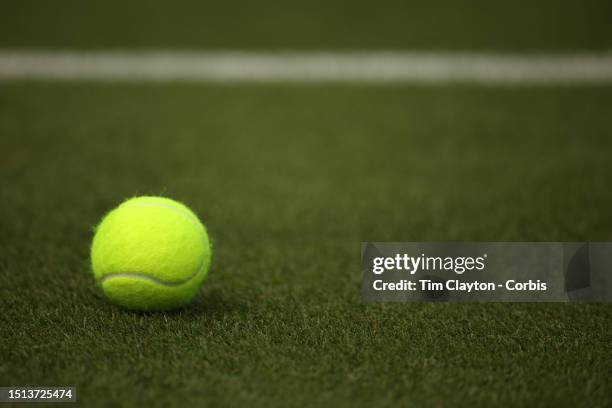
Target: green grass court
pixel 289 179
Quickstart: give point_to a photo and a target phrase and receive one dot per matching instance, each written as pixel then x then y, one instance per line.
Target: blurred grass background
pixel 319 24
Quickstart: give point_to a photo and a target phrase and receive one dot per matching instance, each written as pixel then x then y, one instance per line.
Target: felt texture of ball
pixel 150 253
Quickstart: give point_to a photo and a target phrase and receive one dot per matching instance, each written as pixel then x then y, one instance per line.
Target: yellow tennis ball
pixel 150 253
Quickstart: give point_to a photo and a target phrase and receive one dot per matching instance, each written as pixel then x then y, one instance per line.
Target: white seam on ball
pixel 151 278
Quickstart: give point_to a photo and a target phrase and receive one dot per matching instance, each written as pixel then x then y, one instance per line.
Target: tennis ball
pixel 150 253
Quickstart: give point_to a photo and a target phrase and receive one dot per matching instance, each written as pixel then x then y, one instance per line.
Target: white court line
pixel 306 67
